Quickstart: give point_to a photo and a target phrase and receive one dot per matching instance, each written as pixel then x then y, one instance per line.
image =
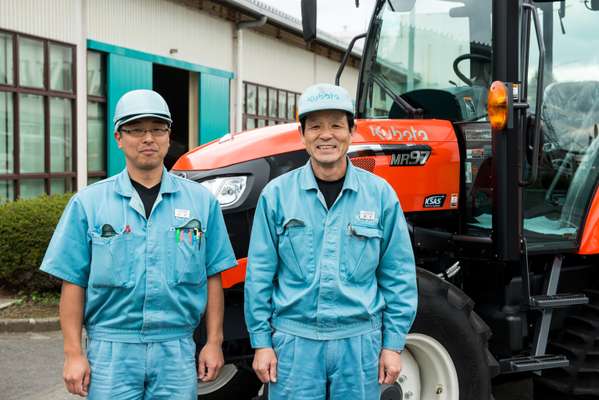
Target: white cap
pixel 141 103
pixel 324 96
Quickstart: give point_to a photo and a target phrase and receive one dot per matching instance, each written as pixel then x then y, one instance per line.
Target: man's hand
pixel 265 365
pixel 76 374
pixel 389 366
pixel 210 362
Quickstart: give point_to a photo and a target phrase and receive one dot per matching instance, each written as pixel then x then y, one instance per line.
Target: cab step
pixel 545 301
pixel 533 363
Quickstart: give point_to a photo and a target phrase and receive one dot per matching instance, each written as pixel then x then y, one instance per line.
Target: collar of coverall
pixel 308 181
pixel 125 188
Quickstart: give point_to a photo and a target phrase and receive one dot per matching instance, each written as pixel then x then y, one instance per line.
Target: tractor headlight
pixel 227 190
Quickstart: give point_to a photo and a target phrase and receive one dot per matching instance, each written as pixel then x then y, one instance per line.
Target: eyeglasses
pixel 140 132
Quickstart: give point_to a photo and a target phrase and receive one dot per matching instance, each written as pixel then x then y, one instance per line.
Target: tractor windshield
pixel 435 54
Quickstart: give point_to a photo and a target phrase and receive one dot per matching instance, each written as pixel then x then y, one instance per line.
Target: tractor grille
pixel 366 163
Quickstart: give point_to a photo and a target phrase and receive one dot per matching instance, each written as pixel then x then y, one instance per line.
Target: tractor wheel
pixel 579 341
pixel 231 383
pixel 446 355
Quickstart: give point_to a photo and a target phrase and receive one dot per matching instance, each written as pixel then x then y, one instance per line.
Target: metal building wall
pixel 274 63
pixel 52 19
pixel 157 26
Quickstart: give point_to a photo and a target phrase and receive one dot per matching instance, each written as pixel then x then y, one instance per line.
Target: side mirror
pixel 402 5
pixel 309 20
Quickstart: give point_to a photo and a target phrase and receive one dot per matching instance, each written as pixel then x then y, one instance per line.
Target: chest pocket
pixel 187 256
pixel 296 249
pixel 363 252
pixel 111 263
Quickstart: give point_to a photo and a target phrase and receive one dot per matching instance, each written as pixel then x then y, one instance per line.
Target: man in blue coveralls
pixel 140 256
pixel 330 289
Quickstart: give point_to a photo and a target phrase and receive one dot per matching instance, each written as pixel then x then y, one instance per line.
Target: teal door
pixel 214 107
pixel 124 74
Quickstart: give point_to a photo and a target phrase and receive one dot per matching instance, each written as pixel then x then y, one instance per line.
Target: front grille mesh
pixel 366 163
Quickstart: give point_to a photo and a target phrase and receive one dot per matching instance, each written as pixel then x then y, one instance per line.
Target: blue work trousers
pixel 345 369
pixel 142 371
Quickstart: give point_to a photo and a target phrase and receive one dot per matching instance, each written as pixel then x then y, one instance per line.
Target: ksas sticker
pixel 434 201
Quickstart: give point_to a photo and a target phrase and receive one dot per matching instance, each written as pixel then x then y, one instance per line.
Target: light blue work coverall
pixel 144 279
pixel 327 282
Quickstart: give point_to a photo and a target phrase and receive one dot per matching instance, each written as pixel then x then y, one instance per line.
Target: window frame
pixel 104 102
pixel 15 90
pixel 268 119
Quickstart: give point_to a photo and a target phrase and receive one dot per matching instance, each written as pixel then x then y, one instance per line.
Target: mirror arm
pixel 346 57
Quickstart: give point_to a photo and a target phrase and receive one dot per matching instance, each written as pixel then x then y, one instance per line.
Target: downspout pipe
pixel 238 68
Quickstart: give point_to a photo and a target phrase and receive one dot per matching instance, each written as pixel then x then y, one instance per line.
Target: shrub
pixel 26 227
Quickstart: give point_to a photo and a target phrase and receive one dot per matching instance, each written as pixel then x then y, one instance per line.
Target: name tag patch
pixel 180 213
pixel 367 215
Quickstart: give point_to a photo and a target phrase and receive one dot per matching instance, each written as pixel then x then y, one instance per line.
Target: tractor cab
pixel 433 59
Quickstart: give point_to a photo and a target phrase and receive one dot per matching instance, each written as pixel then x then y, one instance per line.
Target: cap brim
pixel 132 118
pixel 305 113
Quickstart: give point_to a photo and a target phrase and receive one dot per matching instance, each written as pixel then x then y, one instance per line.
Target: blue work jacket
pixel 145 279
pixel 330 273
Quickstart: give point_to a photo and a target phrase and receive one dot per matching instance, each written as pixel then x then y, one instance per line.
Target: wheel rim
pixel 427 371
pixel 227 372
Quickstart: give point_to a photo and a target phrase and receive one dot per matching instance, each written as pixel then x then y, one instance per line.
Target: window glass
pixel 31 132
pixel 96 128
pixel 250 99
pixel 61 133
pixel 272 102
pixel 6 62
pixel 291 107
pixel 262 104
pixel 61 185
pixel 61 68
pixel 261 123
pixel 6 133
pixel 556 204
pixel 93 179
pixel 31 62
pixel 7 191
pixel 250 123
pixel 96 85
pixel 282 104
pixel 32 188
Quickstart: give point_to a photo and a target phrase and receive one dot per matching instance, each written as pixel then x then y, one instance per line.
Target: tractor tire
pixel 445 313
pixel 579 341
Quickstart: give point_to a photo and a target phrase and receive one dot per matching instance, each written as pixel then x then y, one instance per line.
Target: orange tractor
pixel 483 115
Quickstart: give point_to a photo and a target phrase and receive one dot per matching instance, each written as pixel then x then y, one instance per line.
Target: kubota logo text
pixel 393 133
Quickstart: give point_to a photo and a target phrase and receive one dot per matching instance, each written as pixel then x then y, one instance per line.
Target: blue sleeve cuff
pixel 261 340
pixel 221 266
pixel 393 341
pixel 63 276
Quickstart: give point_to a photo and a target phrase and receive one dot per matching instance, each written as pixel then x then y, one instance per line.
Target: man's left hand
pixel 389 366
pixel 210 362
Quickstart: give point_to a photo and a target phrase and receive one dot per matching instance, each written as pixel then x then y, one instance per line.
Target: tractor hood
pixel 239 147
pixel 279 139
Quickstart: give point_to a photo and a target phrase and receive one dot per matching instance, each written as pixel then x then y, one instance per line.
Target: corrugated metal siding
pixel 156 26
pixel 288 67
pixel 53 19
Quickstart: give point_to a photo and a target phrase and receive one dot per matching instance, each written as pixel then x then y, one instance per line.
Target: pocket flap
pixel 290 223
pixel 366 231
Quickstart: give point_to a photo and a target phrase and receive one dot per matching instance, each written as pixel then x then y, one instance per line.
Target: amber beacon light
pixel 497 105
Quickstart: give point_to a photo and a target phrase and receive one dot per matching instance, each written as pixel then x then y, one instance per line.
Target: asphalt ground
pixel 31 366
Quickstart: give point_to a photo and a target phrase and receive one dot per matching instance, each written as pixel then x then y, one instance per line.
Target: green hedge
pixel 26 227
